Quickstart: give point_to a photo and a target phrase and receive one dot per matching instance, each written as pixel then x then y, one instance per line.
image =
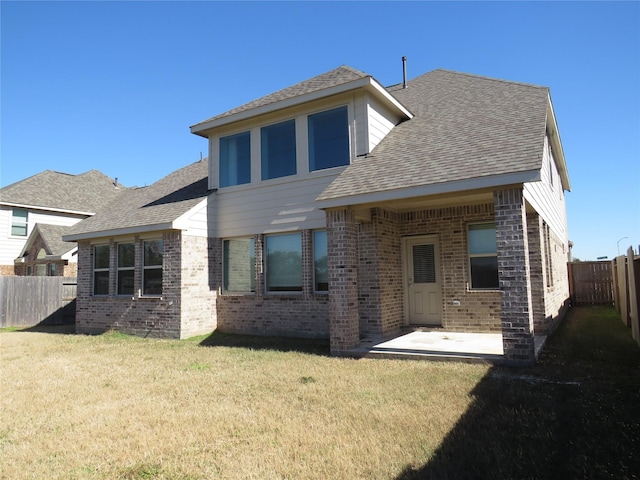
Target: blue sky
pixel 114 86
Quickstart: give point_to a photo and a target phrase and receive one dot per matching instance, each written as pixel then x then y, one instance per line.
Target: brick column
pixel 513 272
pixel 342 250
pixel 536 271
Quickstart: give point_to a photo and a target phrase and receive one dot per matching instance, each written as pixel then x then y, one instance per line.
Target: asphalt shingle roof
pixel 338 76
pixel 85 192
pixel 52 236
pixel 160 203
pixel 465 127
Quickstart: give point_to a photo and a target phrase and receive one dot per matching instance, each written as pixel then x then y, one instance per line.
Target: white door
pixel 422 281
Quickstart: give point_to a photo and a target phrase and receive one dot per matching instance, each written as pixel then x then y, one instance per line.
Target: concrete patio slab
pixel 435 345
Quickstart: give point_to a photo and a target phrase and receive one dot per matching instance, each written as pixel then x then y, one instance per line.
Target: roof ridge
pixel 484 77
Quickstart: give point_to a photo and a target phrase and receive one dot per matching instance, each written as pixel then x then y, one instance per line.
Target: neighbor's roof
pixel 52 237
pixel 150 208
pixel 335 81
pixel 84 193
pixel 467 130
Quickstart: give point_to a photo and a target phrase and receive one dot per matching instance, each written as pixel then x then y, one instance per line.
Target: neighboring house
pixel 47 198
pixel 339 208
pixel 46 254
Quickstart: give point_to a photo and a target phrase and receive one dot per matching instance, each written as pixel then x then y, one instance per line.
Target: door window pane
pixel 424 266
pixel 235 159
pixel 284 263
pixel 278 150
pixel 328 139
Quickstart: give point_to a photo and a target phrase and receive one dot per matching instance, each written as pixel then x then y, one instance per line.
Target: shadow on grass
pixel 312 346
pixel 574 415
pixel 64 329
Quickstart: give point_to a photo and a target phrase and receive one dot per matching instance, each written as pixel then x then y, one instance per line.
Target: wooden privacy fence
pixel 591 283
pixel 614 282
pixel 626 275
pixel 29 301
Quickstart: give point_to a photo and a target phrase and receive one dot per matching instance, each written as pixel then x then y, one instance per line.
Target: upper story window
pixel 152 267
pixel 101 270
pixel 278 150
pixel 328 139
pixel 235 159
pixel 19 222
pixel 483 256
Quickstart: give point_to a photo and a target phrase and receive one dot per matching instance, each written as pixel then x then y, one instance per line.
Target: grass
pixel 224 406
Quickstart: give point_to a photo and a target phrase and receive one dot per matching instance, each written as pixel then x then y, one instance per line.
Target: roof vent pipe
pixel 404 72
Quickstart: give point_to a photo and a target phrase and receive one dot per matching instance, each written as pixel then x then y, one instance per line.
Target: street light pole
pixel 619 244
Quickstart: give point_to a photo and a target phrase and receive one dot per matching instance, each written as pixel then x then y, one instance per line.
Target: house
pixel 46 254
pixel 343 209
pixel 50 200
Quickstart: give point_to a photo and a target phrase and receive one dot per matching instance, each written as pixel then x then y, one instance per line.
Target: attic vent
pixel 404 72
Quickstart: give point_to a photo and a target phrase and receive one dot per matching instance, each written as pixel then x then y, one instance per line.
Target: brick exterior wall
pixel 479 310
pixel 513 273
pixel 182 291
pixel 7 271
pixel 342 240
pixel 304 314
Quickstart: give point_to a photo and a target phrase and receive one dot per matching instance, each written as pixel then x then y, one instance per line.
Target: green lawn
pixel 224 406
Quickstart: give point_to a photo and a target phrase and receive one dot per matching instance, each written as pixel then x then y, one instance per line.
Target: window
pixel 126 270
pixel 101 270
pixel 51 269
pixel 284 263
pixel 548 264
pixel 235 159
pixel 41 270
pixel 152 267
pixel 483 257
pixel 278 150
pixel 328 139
pixel 320 261
pixel 19 222
pixel 239 265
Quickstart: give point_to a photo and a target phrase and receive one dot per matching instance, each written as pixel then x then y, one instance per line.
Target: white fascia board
pixel 556 143
pixel 436 189
pixel 116 232
pixel 367 83
pixel 47 209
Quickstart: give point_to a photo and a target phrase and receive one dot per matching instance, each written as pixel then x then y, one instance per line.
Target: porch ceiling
pixel 428 202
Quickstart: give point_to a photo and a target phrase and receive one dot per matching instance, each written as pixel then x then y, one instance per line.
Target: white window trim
pixel 122 269
pixel 223 290
pixel 265 260
pixel 93 275
pixel 151 267
pixel 470 286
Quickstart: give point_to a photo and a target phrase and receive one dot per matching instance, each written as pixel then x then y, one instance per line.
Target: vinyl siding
pixel 10 247
pixel 547 196
pixel 380 122
pixel 272 208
